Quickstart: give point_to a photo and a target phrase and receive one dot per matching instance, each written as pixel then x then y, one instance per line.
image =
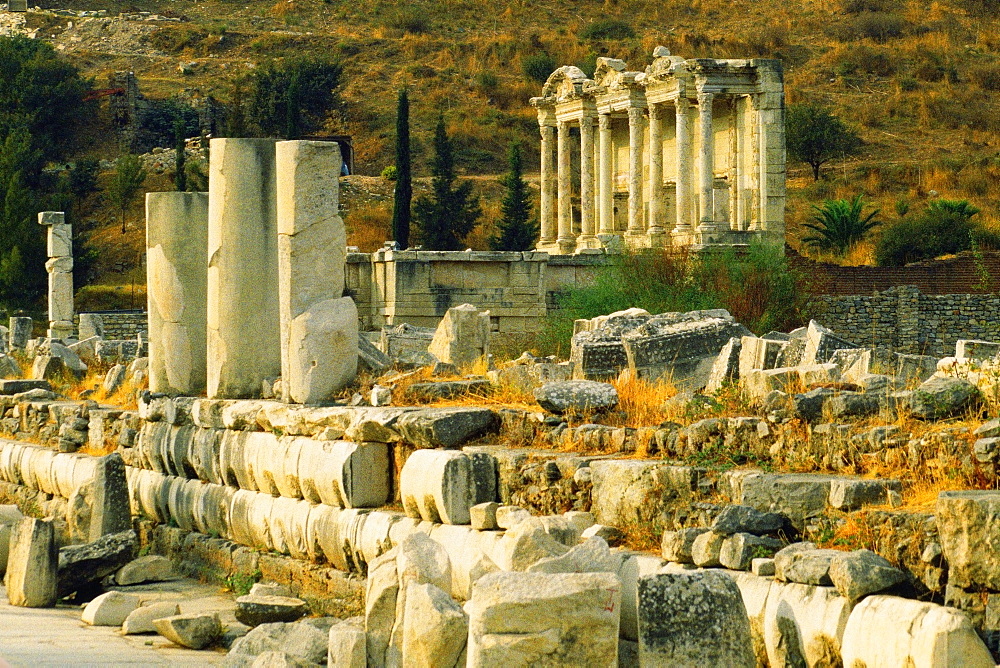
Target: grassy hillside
pixel 917 80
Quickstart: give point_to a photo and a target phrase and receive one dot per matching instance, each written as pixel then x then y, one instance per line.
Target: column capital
pixel 657 112
pixel 705 99
pixel 546 132
pixel 604 121
pixel 635 114
pixel 682 104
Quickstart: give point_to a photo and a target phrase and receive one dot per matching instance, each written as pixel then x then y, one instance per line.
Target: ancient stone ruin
pixel 678 492
pixel 687 153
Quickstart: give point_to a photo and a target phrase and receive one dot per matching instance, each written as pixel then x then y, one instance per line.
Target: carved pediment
pixel 565 83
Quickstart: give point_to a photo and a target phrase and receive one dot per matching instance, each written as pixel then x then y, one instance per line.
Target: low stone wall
pixel 418 287
pixel 907 321
pixel 119 325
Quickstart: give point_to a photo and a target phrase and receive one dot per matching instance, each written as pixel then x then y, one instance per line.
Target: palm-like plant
pixel 839 224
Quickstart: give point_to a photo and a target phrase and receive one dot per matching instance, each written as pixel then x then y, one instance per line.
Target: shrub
pixel 389 173
pixel 538 67
pixel 757 287
pixel 608 29
pixel 487 82
pixel 839 224
pixel 877 26
pixel 410 19
pixel 987 76
pixel 944 227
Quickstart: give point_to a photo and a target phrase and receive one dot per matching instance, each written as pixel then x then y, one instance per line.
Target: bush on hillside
pixel 757 287
pixel 943 228
pixel 410 19
pixel 608 29
pixel 538 67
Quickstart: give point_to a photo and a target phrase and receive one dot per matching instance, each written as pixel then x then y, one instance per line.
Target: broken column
pixel 32 564
pixel 110 511
pixel 319 326
pixel 19 333
pixel 242 316
pixel 60 267
pixel 177 278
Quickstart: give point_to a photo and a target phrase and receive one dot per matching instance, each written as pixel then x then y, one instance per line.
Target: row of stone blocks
pixel 420 427
pixel 435 485
pixel 44 469
pixel 346 538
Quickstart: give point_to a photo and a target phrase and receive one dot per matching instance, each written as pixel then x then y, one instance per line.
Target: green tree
pixel 293 95
pixel 839 224
pixel 43 95
pixel 815 136
pixel 125 184
pixel 516 230
pixel 451 212
pixel 402 195
pixel 180 170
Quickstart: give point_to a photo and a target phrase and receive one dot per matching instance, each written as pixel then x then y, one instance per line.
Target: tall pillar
pixel 566 241
pixel 656 228
pixel 635 132
pixel 706 164
pixel 683 142
pixel 244 345
pixel 319 326
pixel 546 213
pixel 605 187
pixel 177 291
pixel 59 242
pixel 588 222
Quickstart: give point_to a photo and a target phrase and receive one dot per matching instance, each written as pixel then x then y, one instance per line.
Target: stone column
pixel 19 333
pixel 567 242
pixel 60 268
pixel 656 228
pixel 177 291
pixel 546 183
pixel 706 164
pixel 319 326
pixel 588 223
pixel 244 344
pixel 636 226
pixel 110 508
pixel 32 564
pixel 683 141
pixel 605 188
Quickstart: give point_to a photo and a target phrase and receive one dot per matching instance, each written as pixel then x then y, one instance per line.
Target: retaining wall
pixel 120 325
pixel 904 319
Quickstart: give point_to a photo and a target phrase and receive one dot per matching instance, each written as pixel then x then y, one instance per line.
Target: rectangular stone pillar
pixel 706 164
pixel 636 225
pixel 243 324
pixel 683 140
pixel 547 186
pixel 588 222
pixel 566 240
pixel 605 188
pixel 177 291
pixel 32 564
pixel 19 333
pixel 110 510
pixel 59 244
pixel 319 326
pixel 656 228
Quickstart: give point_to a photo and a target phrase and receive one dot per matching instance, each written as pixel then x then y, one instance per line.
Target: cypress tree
pixel 516 230
pixel 180 176
pixel 451 212
pixel 403 194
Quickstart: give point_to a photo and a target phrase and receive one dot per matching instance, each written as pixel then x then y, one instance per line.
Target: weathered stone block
pixel 32 564
pixel 441 485
pixel 694 619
